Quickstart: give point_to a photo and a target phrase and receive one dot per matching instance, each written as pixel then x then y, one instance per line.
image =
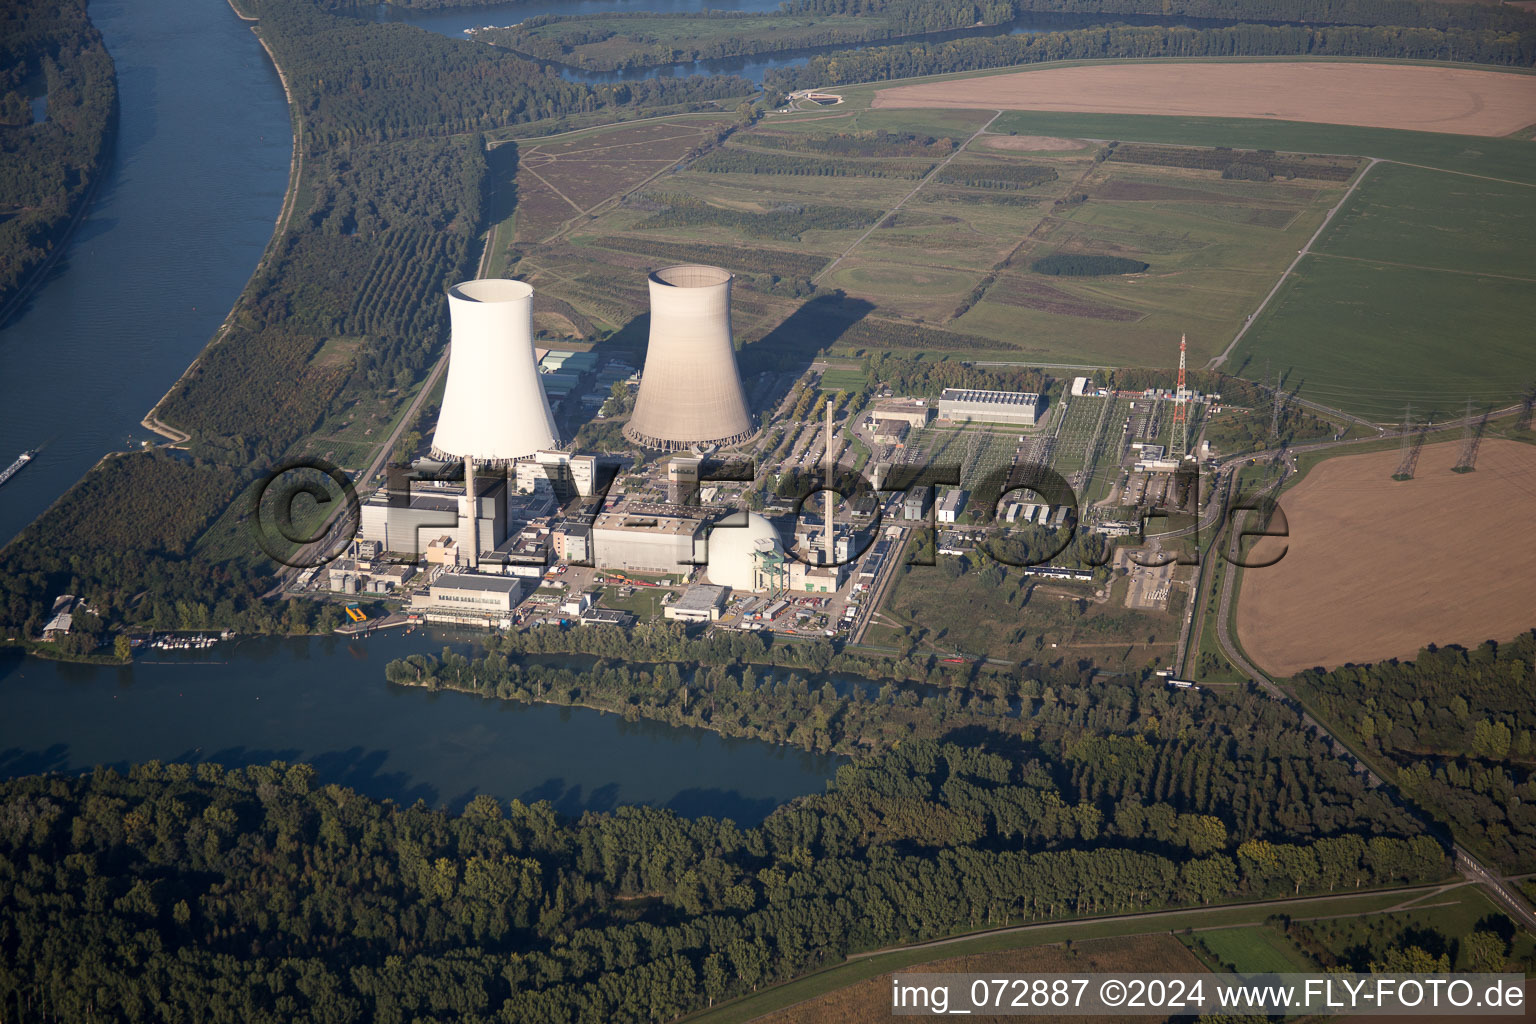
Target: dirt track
pixel 1431 99
pixel 1378 568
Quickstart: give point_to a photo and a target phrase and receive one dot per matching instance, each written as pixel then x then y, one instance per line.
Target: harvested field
pixel 1032 143
pixel 1378 568
pixel 1429 99
pixel 870 1001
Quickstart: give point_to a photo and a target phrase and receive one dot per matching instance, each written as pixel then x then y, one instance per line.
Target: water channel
pixel 324 701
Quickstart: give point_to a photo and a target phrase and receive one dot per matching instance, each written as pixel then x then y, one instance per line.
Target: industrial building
pixel 406 522
pixel 650 537
pixel 469 600
pixel 701 602
pixel 914 412
pixel 572 541
pixel 914 504
pixel 561 474
pixel 683 479
pixel 690 391
pixel 951 505
pixel 746 555
pixel 964 405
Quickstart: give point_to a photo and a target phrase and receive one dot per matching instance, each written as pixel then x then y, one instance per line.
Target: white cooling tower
pixel 690 392
pixel 494 407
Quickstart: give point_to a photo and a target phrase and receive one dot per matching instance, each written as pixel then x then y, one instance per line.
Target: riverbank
pixel 49 651
pixel 152 420
pixel 784 707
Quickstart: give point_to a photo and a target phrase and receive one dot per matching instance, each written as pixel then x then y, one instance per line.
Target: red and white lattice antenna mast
pixel 1180 440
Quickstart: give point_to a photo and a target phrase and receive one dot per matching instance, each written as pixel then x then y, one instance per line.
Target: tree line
pixel 785 222
pixel 876 64
pixel 736 160
pixel 1085 264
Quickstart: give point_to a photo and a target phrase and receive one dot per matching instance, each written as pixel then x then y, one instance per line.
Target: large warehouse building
pixel 964 405
pixel 651 537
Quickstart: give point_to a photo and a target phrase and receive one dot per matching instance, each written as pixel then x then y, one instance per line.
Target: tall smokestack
pixel 494 407
pixel 827 494
pixel 690 392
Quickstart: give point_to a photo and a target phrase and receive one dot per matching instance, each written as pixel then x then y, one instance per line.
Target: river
pixel 324 701
pixel 175 229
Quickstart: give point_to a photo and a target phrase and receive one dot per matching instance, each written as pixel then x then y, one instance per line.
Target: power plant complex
pixel 496 419
pixel 534 531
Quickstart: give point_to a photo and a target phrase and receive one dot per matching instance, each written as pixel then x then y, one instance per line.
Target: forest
pixel 882 63
pixel 1453 726
pixel 1085 264
pixel 629 43
pixel 51 53
pixel 255 895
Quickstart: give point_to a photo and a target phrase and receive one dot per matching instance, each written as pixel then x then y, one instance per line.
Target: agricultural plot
pixel 560 179
pixel 1375 568
pixel 1440 924
pixel 1386 95
pixel 1420 291
pixel 1507 158
pixel 803 195
pixel 1214 247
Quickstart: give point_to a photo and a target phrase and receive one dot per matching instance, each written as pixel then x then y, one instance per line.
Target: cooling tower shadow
pixel 792 346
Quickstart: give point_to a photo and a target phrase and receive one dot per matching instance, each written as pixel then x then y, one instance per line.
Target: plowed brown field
pixel 1456 100
pixel 1377 568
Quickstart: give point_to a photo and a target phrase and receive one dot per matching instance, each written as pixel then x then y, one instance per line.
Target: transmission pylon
pixel 1180 440
pixel 1413 440
pixel 1471 438
pixel 1523 421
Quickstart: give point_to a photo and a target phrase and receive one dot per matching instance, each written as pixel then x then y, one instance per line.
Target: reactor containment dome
pixel 494 406
pixel 745 554
pixel 690 392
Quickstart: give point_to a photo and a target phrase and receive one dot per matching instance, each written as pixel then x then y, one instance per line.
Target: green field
pixel 1422 290
pixel 1424 218
pixel 1214 249
pixel 1508 158
pixel 1255 949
